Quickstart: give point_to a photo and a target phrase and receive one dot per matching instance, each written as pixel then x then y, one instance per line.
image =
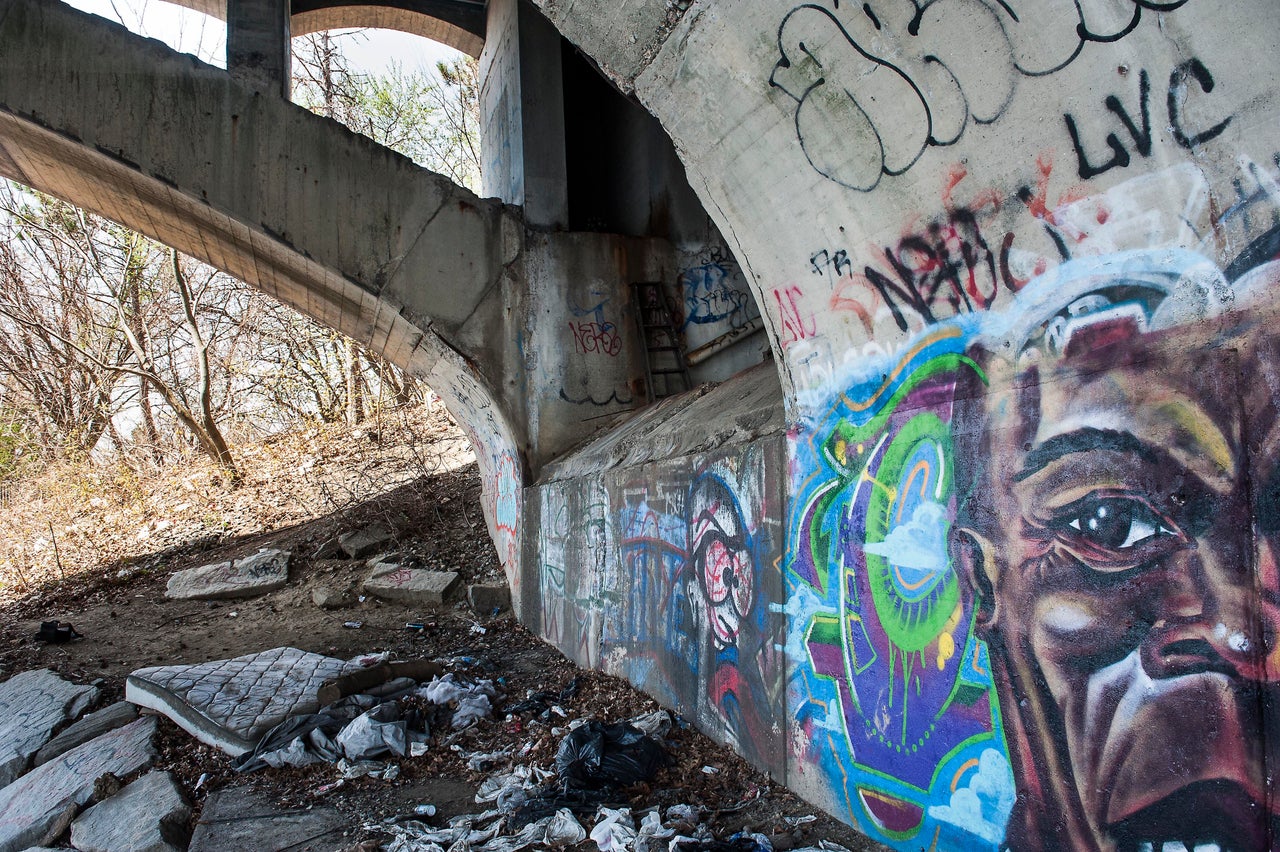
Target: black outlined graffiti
pixel 877 85
pixel 1191 70
pixel 611 399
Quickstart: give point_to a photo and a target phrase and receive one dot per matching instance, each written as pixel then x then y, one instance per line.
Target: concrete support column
pixel 522 101
pixel 258 52
pixel 546 187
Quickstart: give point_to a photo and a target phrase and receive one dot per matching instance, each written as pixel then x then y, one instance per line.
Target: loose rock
pixel 416 586
pixel 38 807
pixel 149 815
pixel 258 574
pixel 361 543
pixel 32 705
pixel 238 818
pixel 90 727
pixel 327 597
pixel 488 598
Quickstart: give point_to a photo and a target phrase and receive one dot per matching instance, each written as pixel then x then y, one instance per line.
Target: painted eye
pixel 1118 523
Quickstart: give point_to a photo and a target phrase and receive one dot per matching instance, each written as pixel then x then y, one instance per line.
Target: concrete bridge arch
pixel 252 188
pixel 458 23
pixel 999 516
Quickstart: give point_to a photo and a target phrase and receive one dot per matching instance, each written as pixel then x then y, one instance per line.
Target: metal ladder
pixel 664 357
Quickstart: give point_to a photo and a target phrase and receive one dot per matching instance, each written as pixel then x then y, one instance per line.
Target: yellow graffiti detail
pixel 947 642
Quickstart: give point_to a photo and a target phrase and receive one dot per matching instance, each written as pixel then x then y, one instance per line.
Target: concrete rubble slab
pixel 329 597
pixel 264 571
pixel 411 585
pixel 90 727
pixel 241 819
pixel 32 705
pixel 361 543
pixel 37 808
pixel 489 598
pixel 149 815
pixel 230 704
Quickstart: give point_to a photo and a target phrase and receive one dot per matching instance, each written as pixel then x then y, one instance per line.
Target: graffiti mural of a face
pixel 721 558
pixel 1121 537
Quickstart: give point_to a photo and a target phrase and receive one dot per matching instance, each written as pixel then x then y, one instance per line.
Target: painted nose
pixel 1212 621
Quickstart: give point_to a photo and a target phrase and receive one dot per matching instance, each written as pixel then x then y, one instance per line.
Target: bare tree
pixel 109 313
pixel 430 117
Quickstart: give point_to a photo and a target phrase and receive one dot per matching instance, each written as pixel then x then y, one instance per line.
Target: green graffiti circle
pixel 909 623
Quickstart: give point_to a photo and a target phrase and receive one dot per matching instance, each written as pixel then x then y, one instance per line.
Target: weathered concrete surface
pixel 88 728
pixel 996 248
pixel 39 806
pixel 149 815
pixel 590 361
pixel 238 818
pixel 365 542
pixel 457 23
pixel 939 208
pixel 406 237
pixel 737 412
pixel 489 598
pixel 32 705
pixel 416 586
pixel 264 571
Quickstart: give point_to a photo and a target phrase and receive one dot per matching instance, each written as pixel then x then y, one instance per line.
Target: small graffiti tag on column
pixel 795 325
pixel 594 335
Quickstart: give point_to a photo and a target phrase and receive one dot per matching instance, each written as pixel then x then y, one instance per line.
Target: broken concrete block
pixel 241 819
pixel 415 586
pixel 38 807
pixel 264 571
pixel 149 815
pixel 32 705
pixel 489 598
pixel 327 597
pixel 361 543
pixel 90 727
pixel 328 549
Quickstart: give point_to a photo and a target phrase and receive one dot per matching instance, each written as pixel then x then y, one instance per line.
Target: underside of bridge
pixel 888 387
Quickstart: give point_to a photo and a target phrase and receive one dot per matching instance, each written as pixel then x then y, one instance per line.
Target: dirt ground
pixel 127 624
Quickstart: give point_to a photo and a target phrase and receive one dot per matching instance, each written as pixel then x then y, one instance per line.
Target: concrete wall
pixel 655 555
pixel 1016 261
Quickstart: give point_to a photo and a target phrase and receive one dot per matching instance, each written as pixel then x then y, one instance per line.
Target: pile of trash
pixel 535 808
pixel 354 730
pixel 371 711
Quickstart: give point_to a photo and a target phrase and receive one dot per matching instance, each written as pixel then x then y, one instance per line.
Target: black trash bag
pixel 553 797
pixel 540 702
pixel 737 843
pixel 55 632
pixel 594 755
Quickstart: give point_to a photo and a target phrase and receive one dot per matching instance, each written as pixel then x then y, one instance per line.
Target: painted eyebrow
pixel 1083 440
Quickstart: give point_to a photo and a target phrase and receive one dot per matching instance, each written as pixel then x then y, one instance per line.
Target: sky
pixel 367 51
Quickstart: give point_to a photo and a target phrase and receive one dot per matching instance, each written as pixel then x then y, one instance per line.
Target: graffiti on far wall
pixel 695 620
pixel 715 293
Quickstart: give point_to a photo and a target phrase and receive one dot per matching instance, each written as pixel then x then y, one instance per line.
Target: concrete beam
pixel 258 53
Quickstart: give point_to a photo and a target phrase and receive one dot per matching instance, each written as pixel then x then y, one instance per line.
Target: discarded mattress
pixel 230 704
